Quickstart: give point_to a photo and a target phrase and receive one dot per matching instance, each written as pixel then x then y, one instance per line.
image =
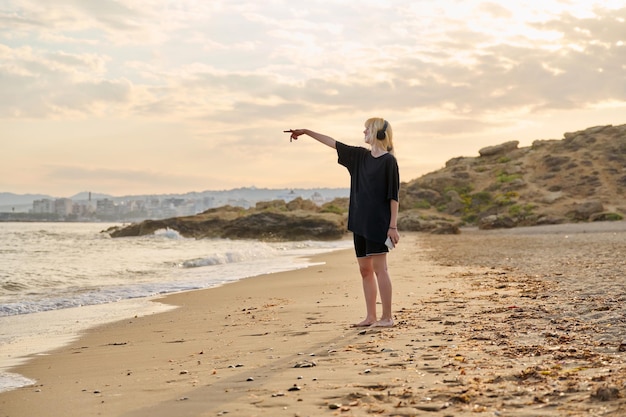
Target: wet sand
pixel 523 322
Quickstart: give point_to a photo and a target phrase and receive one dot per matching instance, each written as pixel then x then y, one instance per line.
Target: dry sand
pixel 529 322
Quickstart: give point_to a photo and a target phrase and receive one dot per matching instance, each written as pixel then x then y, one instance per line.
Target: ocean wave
pixel 79 267
pixel 10 381
pixel 218 259
pixel 167 233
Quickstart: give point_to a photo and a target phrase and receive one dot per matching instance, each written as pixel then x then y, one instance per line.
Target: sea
pixel 58 279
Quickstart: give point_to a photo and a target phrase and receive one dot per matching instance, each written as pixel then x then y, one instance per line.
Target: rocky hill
pixel 581 177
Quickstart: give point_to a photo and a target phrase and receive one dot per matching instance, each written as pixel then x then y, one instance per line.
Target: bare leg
pixel 366 267
pixel 385 289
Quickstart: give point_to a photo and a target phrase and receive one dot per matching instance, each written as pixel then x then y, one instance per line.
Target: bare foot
pixel 364 323
pixel 383 323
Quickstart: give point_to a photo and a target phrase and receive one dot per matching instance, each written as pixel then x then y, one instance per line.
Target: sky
pixel 173 96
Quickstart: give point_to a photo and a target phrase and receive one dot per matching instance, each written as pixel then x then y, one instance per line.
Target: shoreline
pixel 26 336
pixel 468 340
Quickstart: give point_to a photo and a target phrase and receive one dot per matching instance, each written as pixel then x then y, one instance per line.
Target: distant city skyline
pixel 192 202
pixel 138 208
pixel 146 97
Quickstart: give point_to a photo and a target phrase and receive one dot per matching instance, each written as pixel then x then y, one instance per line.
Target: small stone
pixel 250 379
pixel 367 371
pixel 622 347
pixel 305 364
pixel 294 388
pixel 334 406
pixel 606 394
pixel 183 372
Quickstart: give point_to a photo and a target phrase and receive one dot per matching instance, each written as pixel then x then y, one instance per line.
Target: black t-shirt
pixel 373 183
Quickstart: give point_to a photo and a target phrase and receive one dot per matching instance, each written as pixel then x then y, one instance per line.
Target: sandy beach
pixel 524 322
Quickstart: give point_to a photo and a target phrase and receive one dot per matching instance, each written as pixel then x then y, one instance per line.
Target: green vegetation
pixel 481 199
pixel 504 178
pixel 522 211
pixel 470 218
pixel 421 204
pixel 484 201
pixel 465 189
pixel 332 208
pixel 612 217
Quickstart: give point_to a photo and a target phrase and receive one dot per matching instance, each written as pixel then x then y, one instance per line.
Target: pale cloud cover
pixel 147 96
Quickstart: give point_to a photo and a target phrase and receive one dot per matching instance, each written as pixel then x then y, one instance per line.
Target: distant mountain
pixel 85 196
pixel 251 194
pixel 581 177
pixel 7 199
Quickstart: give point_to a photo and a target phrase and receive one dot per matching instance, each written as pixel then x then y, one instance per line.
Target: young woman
pixel 373 212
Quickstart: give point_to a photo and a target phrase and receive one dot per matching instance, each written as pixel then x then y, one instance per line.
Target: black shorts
pixel 364 247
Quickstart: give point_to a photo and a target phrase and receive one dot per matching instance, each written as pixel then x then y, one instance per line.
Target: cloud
pixel 113 19
pixel 227 76
pixel 112 179
pixel 37 84
pixel 464 71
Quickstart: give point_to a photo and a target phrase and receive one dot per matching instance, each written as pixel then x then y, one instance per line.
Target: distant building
pixel 63 207
pixel 44 206
pixel 82 211
pixel 105 208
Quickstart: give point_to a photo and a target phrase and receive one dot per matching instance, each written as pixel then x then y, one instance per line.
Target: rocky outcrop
pixel 269 221
pixel 584 211
pixel 414 221
pixel 581 177
pixel 503 148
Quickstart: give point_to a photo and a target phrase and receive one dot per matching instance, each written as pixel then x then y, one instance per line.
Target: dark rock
pixel 496 222
pixel 455 204
pixel 606 217
pixel 554 163
pixel 279 226
pixel 585 210
pixel 606 394
pixel 546 220
pixel 264 225
pixel 444 228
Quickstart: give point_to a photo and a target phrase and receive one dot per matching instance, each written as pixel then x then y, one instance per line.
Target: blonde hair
pixel 376 125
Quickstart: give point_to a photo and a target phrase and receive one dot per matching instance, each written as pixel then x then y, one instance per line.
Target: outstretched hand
pixel 294 133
